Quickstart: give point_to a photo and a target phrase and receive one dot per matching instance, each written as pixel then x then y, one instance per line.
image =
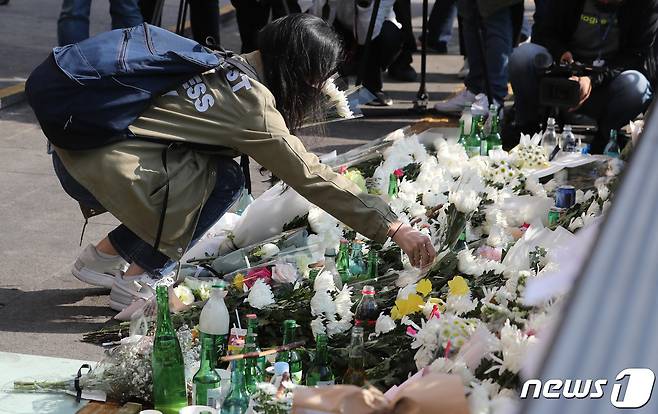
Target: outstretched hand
pixel 415 244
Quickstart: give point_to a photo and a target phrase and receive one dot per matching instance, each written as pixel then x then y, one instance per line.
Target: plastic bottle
pixel 367 310
pixel 568 140
pixel 330 266
pixel 214 319
pixel 549 140
pixel 612 149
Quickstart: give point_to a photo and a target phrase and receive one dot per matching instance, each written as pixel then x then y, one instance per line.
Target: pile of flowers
pixel 466 314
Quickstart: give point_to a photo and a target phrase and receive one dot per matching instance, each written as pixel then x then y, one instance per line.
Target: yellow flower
pixel 412 304
pixel 238 281
pixel 424 287
pixel 395 313
pixel 458 287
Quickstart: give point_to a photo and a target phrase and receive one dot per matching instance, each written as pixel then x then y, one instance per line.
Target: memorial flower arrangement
pixel 466 314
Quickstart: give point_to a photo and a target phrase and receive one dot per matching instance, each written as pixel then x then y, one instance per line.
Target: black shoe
pixel 403 73
pixel 437 46
pixel 381 99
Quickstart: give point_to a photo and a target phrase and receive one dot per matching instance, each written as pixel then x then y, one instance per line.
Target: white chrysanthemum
pixel 465 201
pixel 498 236
pixel 260 295
pixel 204 292
pixel 384 324
pixel 324 282
pixel 322 303
pixel 344 303
pixel 269 250
pixel 317 326
pixel 338 98
pixel 476 266
pixel 534 186
pixel 514 344
pixel 185 294
pixel 468 264
pixel 325 226
pixel 452 157
pixel 460 305
pixel 335 327
pixel 603 191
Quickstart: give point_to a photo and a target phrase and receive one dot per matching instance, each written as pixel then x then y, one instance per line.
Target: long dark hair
pixel 300 52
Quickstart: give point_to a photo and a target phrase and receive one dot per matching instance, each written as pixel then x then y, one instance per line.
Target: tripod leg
pixel 483 54
pixel 422 98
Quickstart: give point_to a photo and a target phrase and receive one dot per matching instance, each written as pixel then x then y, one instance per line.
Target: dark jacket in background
pixel 638 21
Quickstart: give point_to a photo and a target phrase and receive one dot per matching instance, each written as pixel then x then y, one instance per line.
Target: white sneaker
pixel 480 105
pixel 96 268
pixel 127 289
pixel 455 104
pixel 463 72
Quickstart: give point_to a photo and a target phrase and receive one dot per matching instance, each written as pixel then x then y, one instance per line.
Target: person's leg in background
pixel 497 44
pixel 439 25
pixel 73 22
pixel 125 13
pixel 147 8
pixel 616 104
pixel 401 68
pixel 525 83
pixel 468 15
pixel 204 16
pixel 384 49
pixel 251 15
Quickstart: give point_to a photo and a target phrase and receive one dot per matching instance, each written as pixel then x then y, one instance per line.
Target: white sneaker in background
pixel 97 268
pixel 456 103
pixel 126 289
pixel 480 105
pixel 463 72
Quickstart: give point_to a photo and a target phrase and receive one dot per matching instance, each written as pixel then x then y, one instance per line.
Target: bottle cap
pixel 368 290
pixel 289 323
pixel 316 265
pixel 280 368
pixel 330 252
pixel 251 316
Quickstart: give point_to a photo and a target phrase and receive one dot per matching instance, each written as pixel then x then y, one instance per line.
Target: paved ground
pixel 43 309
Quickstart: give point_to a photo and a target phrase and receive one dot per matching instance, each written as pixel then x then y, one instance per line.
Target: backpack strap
pixel 244 67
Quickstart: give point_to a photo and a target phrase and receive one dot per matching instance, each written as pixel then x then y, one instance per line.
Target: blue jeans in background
pixel 228 186
pixel 612 105
pixel 441 20
pixel 73 22
pixel 498 43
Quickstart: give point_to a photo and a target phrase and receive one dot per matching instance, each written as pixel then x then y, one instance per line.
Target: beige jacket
pixel 234 114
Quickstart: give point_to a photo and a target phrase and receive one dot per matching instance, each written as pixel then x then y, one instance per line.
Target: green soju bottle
pixel 392 186
pixel 373 264
pixel 320 373
pixel 355 374
pixel 357 264
pixel 237 399
pixel 291 357
pixel 462 134
pixel 343 262
pixel 169 389
pixel 493 139
pixel 206 378
pixel 254 367
pixel 461 242
pixel 473 141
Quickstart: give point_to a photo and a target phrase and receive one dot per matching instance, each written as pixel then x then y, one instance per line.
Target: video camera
pixel 556 89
